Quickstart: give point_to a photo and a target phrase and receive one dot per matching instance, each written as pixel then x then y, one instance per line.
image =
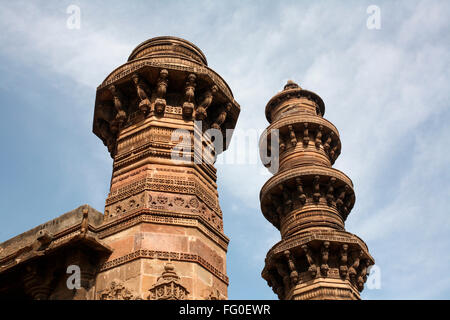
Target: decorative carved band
pixel 285 95
pixel 297 188
pixel 326 293
pixel 294 119
pixel 168 203
pixel 320 235
pixel 166 63
pixel 312 133
pixel 325 259
pixel 165 255
pixel 173 185
pixel 310 171
pixel 169 49
pixel 153 216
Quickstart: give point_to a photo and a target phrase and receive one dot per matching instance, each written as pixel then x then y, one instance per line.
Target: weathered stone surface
pixel 53 228
pixel 34 265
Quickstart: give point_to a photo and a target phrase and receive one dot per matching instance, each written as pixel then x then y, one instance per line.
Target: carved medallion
pixel 193 203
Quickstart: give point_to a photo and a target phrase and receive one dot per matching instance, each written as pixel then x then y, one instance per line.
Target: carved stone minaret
pixel 162 207
pixel 309 201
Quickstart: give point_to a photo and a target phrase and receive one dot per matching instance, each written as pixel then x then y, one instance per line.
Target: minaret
pixel 309 201
pixel 154 114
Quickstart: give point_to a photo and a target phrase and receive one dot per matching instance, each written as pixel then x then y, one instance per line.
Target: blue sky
pixel 386 90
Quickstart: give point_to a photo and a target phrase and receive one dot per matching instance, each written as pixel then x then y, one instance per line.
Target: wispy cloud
pixel 386 91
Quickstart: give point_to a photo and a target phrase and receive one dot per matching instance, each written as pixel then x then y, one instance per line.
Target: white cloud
pixel 37 35
pixel 383 89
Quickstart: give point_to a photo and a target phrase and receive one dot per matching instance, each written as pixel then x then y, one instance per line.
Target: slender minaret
pixel 154 113
pixel 309 201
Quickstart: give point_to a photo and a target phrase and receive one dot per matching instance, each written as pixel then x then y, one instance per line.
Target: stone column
pixel 154 114
pixel 36 281
pixel 309 201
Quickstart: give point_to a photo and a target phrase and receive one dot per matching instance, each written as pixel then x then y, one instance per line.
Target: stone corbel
pixel 292 135
pixel 330 191
pixel 284 274
pixel 325 253
pixel 326 145
pixel 310 259
pixel 293 271
pixel 276 204
pixel 287 202
pixel 188 105
pixel 333 153
pixel 362 276
pixel 341 198
pixel 222 117
pixel 343 268
pixel 161 89
pixel 272 281
pixel 282 144
pixel 143 93
pixel 352 271
pixel 36 281
pixel 121 116
pixel 305 134
pixel 348 205
pixel 106 134
pixel 301 192
pixel 84 226
pixel 43 238
pixel 201 111
pixel 316 186
pixel 318 139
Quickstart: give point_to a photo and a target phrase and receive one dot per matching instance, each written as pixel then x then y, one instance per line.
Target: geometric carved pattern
pixel 169 184
pixel 154 254
pixel 330 293
pixel 154 216
pixel 168 202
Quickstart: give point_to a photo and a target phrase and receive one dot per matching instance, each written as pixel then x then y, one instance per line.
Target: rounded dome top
pixel 168 46
pixel 292 90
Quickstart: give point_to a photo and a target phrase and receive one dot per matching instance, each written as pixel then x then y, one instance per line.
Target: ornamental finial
pixel 291 85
